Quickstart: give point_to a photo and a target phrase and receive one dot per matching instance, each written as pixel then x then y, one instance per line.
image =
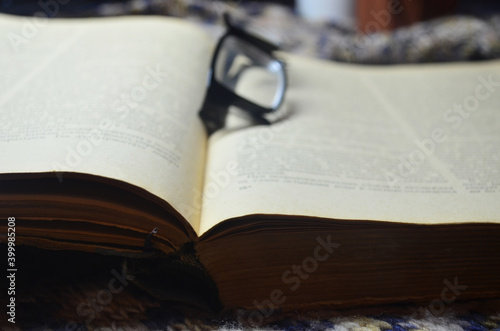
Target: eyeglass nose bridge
pixel 216 108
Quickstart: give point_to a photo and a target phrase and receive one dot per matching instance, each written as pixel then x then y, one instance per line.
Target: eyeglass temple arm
pixel 262 44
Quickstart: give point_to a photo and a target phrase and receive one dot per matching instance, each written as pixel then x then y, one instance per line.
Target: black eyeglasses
pixel 244 73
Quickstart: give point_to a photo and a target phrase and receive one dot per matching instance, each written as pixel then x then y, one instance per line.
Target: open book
pixel 376 185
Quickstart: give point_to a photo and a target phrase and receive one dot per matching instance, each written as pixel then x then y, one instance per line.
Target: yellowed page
pixel 113 97
pixel 408 144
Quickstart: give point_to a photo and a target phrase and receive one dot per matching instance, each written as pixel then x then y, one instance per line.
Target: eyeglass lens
pixel 249 72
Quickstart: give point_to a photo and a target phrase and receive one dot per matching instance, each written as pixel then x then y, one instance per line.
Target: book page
pixel 416 144
pixel 113 97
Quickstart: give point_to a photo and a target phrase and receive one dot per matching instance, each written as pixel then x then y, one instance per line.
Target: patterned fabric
pixel 163 318
pixel 80 304
pixel 454 38
pixel 469 322
pixel 458 38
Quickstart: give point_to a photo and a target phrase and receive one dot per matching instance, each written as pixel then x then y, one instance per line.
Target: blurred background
pixel 357 31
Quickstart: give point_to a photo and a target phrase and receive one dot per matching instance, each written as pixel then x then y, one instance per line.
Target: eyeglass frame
pixel 219 97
